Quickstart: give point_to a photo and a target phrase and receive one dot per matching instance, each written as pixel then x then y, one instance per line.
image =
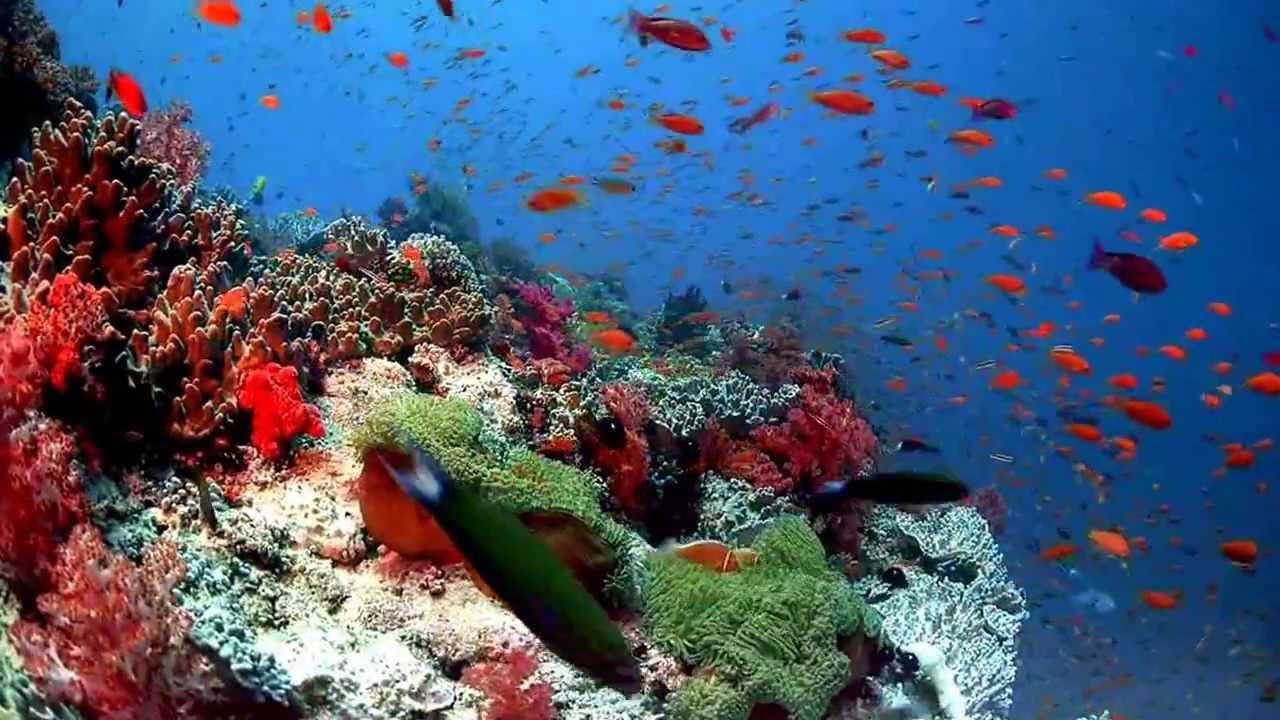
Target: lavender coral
pixel 543 317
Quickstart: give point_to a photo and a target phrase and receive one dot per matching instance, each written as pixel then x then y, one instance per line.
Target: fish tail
pixel 635 24
pixel 1098 258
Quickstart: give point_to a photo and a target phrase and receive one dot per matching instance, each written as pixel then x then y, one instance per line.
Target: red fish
pixel 446 7
pixel 679 34
pixel 1133 271
pixel 124 87
pixel 321 20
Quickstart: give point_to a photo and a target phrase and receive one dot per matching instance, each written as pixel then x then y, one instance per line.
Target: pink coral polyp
pixel 272 394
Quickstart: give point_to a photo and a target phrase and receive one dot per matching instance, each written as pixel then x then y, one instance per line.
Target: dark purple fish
pixel 1267 31
pixel 995 109
pixel 1133 271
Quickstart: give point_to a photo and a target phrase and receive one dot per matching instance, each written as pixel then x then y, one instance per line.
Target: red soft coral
pixel 504 680
pixel 71 314
pixel 113 643
pixel 823 439
pixel 167 139
pixel 42 497
pixel 21 377
pixel 627 466
pixel 271 393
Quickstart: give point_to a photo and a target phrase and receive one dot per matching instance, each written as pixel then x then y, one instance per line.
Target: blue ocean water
pixel 1171 103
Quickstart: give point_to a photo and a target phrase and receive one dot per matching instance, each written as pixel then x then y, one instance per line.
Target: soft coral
pixel 113 642
pixel 504 679
pixel 61 322
pixel 626 466
pixel 271 393
pixel 823 439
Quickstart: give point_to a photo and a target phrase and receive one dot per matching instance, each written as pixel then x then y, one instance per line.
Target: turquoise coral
pixel 767 633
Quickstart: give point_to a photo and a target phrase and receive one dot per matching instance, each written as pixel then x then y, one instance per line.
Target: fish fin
pixel 424 479
pixel 1098 258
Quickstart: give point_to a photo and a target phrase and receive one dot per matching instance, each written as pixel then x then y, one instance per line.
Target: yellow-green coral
pixel 770 631
pixel 709 698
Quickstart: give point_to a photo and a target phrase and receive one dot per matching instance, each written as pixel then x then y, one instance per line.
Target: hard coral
pixel 505 681
pixel 112 642
pixel 822 440
pixel 167 139
pixel 272 395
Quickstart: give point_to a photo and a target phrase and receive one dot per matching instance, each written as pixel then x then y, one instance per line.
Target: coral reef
pixel 33 81
pixel 958 600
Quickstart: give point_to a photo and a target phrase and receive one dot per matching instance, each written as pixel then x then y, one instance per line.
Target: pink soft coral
pixel 167 139
pixel 823 439
pixel 504 680
pixel 113 643
pixel 271 393
pixel 42 497
pixel 543 317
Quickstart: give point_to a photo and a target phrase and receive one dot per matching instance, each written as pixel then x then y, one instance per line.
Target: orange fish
pixel 1148 413
pixel 1045 232
pixel 1179 241
pixel 1110 543
pixel 1071 361
pixel 321 21
pixel 616 104
pixel 553 199
pixel 987 181
pixel 793 57
pixel 1196 334
pixel 1010 284
pixel 1111 319
pixel 1055 174
pixel 677 123
pixel 897 384
pixel 891 59
pixel 1057 552
pixel 1267 383
pixel 1108 199
pixel 1160 600
pixel 1006 231
pixel 845 102
pixel 235 301
pixel 1085 431
pixel 867 36
pixel 1239 458
pixel 1123 381
pixel 1222 367
pixel 1173 352
pixel 716 556
pixel 972 138
pixel 1220 309
pixel 614 340
pixel 547 238
pixel 128 91
pixel 470 53
pixel 598 317
pixel 929 88
pixel 398 59
pixel 218 12
pixel 270 102
pixel 1240 552
pixel 1007 380
pixel 1152 215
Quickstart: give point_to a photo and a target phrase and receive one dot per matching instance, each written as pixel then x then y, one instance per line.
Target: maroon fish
pixel 446 7
pixel 1133 271
pixel 743 124
pixel 680 34
pixel 995 109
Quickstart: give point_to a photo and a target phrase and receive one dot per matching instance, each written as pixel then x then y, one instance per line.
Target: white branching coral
pixel 958 601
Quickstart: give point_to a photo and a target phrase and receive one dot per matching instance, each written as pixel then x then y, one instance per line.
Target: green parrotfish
pixel 521 569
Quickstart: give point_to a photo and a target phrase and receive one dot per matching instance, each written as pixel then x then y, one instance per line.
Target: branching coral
pixel 766 633
pixel 166 138
pixel 113 643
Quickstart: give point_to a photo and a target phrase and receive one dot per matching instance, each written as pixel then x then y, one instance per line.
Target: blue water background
pixel 1097 99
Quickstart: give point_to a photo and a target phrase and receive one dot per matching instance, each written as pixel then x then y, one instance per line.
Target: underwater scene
pixel 537 359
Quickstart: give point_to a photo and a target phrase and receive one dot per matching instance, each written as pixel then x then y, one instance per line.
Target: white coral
pixel 480 382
